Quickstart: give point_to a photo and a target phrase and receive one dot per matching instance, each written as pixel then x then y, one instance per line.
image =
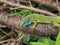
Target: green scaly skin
pixel 40 18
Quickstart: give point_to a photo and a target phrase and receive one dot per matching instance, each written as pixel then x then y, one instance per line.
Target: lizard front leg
pixel 33 26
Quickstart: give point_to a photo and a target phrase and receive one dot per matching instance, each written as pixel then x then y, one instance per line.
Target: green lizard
pixel 40 18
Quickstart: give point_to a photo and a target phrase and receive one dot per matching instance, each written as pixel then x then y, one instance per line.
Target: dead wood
pixel 40 29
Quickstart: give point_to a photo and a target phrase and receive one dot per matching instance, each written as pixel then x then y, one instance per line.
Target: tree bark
pixel 40 29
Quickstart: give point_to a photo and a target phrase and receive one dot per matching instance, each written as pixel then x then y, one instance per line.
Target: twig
pixel 6 41
pixel 58 6
pixel 4 32
pixel 2 38
pixel 30 3
pixel 20 38
pixel 26 7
